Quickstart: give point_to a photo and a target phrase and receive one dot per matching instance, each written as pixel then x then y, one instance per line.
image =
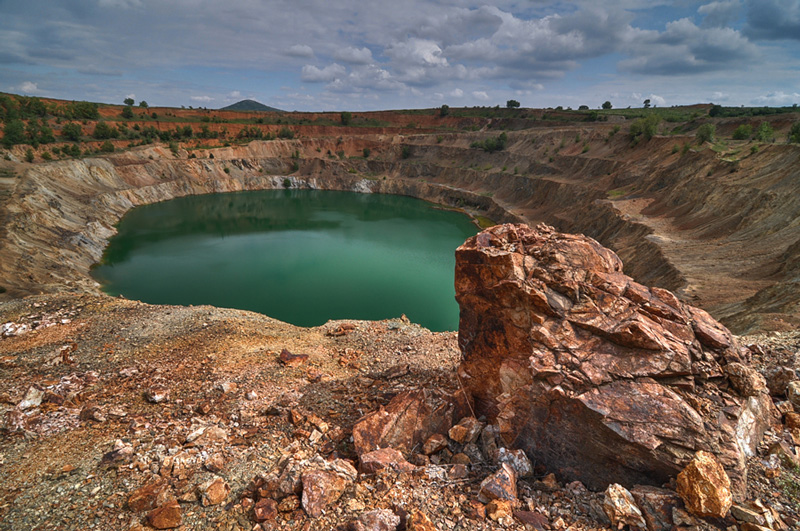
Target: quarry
pixel 628 329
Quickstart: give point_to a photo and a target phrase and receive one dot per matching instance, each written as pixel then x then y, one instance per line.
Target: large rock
pixel 704 487
pixel 595 376
pixel 407 421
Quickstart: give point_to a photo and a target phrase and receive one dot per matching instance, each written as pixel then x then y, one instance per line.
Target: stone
pixel 590 372
pixel 466 431
pixel 705 487
pixel 500 511
pixel 149 496
pixel 93 413
pixel 500 485
pixel 656 505
pixel 214 492
pixel 33 398
pixel 321 488
pixel 621 509
pixel 746 380
pixel 792 420
pixel 793 394
pixel 406 422
pixel 517 460
pixel 376 520
pixel 434 443
pixel 778 379
pixel 167 516
pixel 265 509
pixel 785 453
pixel 458 471
pixel 537 521
pixel 460 459
pixel 292 360
pixel 372 462
pixel 214 463
pixel 419 521
pixel 157 394
pixel 755 512
pixel 289 504
pixel 549 483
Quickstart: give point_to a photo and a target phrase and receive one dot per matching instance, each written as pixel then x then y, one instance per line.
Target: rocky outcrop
pixel 595 376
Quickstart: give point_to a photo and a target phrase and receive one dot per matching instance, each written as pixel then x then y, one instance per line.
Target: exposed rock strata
pixel 594 375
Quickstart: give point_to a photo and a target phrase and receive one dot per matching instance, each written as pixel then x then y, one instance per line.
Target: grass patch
pixel 619 192
pixel 483 222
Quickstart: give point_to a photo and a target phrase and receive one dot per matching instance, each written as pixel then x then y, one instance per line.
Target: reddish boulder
pixel 502 485
pixel 595 376
pixel 407 421
pixel 168 516
pixel 321 488
pixel 149 496
pixel 372 462
pixel 704 487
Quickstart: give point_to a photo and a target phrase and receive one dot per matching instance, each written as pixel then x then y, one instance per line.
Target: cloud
pixel 235 94
pixel 312 74
pixel 355 56
pixel 778 98
pixel 720 14
pixel 300 50
pixel 456 93
pixel 657 101
pixel 28 87
pixel 720 96
pixel 773 19
pixel 204 99
pixel 480 95
pixel 685 48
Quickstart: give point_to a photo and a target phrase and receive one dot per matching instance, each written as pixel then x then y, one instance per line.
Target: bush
pixel 346 117
pixel 794 133
pixel 47 156
pixel 366 152
pixel 127 112
pixel 13 133
pixel 444 110
pixel 607 105
pixel 103 131
pixel 743 132
pixel 286 133
pixel 512 104
pixel 492 144
pixel 287 182
pixel 706 133
pixel 29 155
pixel 405 152
pixel 72 131
pixel 645 127
pixel 765 133
pixel 107 147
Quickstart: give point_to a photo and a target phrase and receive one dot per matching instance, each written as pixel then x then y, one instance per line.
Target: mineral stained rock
pixel 704 487
pixel 595 376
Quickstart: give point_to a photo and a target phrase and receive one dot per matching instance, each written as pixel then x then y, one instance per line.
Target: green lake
pixel 301 256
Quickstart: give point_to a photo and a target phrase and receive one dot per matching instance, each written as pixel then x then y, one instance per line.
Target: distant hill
pixel 250 105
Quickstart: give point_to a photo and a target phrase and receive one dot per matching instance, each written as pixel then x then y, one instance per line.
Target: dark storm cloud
pixel 773 19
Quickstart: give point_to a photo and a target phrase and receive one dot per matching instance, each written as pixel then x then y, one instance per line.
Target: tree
pixel 103 131
pixel 606 105
pixel 128 101
pixel 127 112
pixel 107 147
pixel 29 155
pixel 13 133
pixel 512 104
pixel 706 133
pixel 143 104
pixel 346 117
pixel 444 110
pixel 647 104
pixel 583 108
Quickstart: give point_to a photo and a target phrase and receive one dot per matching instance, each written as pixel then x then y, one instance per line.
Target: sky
pixel 323 55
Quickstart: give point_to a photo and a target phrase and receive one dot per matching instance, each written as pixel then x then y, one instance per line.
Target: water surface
pixel 301 256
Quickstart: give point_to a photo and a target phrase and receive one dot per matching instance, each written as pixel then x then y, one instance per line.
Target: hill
pixel 250 105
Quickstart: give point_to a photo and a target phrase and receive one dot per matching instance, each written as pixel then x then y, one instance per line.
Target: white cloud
pixel 778 98
pixel 28 87
pixel 234 94
pixel 657 101
pixel 131 96
pixel 300 50
pixel 480 95
pixel 420 52
pixel 719 96
pixel 312 74
pixel 355 56
pixel 456 93
pixel 720 14
pixel 204 99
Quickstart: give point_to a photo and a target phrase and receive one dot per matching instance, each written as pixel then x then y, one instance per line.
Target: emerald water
pixel 301 256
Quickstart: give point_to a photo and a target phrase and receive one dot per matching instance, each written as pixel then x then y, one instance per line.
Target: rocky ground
pixel 113 408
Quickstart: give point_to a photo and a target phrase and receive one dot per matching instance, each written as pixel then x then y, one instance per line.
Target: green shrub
pixel 29 155
pixel 753 150
pixel 492 144
pixel 405 152
pixel 743 132
pixel 646 127
pixel 346 117
pixel 366 153
pixel 47 156
pixel 706 133
pixel 765 132
pixel 675 148
pixel 107 147
pixel 287 182
pixel 285 133
pixel 127 113
pixel 444 110
pixel 794 133
pixel 103 131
